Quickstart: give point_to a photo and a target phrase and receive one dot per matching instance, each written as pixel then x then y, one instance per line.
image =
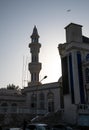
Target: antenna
pixel 25 79
pixel 25 71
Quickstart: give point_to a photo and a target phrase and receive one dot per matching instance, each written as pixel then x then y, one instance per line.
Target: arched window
pixel 50 102
pixel 33 101
pixel 41 100
pixel 4 107
pixel 13 107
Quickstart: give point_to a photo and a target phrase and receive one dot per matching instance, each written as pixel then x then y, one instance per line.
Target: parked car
pixel 14 128
pixel 61 127
pixel 38 127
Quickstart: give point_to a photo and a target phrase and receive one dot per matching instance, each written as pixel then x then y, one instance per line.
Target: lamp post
pixel 43 78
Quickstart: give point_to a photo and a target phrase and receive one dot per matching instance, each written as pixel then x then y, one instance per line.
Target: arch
pixel 14 104
pixel 33 101
pixel 13 107
pixel 41 100
pixel 4 104
pixel 41 96
pixel 50 98
pixel 4 107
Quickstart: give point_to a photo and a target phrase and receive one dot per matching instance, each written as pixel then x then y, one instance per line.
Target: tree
pixel 12 87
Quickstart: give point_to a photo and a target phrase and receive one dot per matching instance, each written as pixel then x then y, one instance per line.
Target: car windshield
pixel 43 128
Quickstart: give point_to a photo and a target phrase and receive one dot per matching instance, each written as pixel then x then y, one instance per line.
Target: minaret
pixel 34 66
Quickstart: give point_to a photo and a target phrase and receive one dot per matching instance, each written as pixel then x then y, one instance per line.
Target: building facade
pixel 75 65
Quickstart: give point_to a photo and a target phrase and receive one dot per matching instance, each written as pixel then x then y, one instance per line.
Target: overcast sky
pixel 17 19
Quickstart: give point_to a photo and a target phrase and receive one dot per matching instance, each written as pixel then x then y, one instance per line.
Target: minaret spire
pixel 35 36
pixel 34 66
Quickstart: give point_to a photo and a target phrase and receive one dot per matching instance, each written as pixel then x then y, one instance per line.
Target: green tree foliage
pixel 12 87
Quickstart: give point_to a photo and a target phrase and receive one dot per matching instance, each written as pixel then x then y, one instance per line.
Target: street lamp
pixel 43 78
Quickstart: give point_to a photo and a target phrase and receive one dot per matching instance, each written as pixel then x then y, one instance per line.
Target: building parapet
pixel 41 87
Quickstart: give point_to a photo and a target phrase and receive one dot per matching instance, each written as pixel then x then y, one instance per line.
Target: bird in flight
pixel 68 10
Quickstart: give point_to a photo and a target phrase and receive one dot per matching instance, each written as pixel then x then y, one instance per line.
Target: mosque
pixel 66 100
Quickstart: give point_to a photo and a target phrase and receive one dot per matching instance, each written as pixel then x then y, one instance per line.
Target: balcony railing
pixel 83 108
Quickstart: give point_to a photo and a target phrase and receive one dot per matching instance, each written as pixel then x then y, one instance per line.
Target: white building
pixel 75 75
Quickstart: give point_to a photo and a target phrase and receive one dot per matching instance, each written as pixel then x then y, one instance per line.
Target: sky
pixel 17 19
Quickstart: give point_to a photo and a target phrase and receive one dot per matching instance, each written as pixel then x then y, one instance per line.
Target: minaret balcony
pixel 34 67
pixel 34 47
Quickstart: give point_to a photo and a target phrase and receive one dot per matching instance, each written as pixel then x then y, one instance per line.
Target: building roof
pixel 85 39
pixel 73 24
